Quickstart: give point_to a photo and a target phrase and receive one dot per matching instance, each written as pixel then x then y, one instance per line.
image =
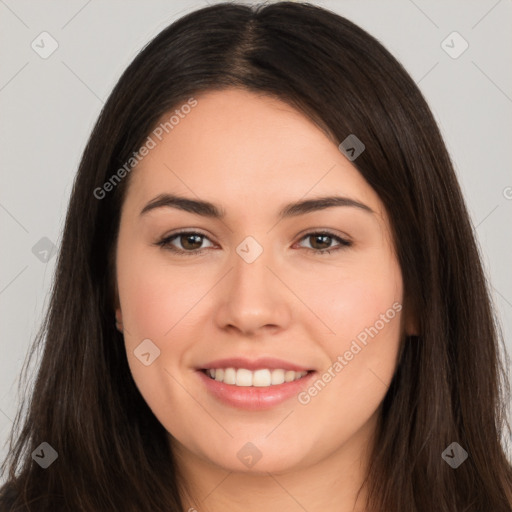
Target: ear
pixel 411 321
pixel 411 328
pixel 117 306
pixel 119 319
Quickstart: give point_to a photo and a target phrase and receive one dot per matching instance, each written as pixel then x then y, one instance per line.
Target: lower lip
pixel 255 398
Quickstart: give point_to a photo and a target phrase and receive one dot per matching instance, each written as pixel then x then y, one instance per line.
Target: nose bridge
pixel 254 298
pixel 251 260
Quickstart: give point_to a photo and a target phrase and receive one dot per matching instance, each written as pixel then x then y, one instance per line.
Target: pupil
pixel 319 238
pixel 190 238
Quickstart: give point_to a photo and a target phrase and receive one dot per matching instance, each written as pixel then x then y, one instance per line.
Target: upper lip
pixel 255 364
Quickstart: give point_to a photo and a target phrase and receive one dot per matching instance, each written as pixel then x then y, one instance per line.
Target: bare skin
pixel 251 155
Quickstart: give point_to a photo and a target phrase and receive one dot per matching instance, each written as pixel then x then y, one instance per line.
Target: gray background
pixel 48 108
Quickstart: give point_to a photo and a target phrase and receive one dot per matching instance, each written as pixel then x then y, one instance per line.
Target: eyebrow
pixel 207 209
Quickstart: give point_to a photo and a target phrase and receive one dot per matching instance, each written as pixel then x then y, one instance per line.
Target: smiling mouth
pixel 265 377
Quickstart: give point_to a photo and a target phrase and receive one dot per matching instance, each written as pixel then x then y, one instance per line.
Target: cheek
pixel 163 304
pixel 362 308
pixel 154 302
pixel 149 301
pixel 352 297
pixel 154 297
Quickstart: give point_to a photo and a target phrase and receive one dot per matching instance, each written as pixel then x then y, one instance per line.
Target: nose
pixel 254 297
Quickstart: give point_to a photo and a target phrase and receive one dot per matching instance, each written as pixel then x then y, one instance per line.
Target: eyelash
pixel 166 243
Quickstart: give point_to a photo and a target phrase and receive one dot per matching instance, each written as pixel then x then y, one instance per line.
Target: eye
pixel 324 238
pixel 190 242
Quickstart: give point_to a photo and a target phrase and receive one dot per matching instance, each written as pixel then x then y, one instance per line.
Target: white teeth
pixel 277 376
pixel 243 377
pixel 261 378
pixel 229 376
pixel 289 376
pixel 258 378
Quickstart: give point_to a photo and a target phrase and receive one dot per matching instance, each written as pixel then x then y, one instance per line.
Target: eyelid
pixel 343 241
pixel 325 231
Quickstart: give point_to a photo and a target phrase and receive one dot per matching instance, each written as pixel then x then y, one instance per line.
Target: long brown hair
pixel 449 385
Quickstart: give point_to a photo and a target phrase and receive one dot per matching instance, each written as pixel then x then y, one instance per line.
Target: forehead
pixel 244 150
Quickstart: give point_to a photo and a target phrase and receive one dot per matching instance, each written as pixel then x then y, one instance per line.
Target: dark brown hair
pixel 449 385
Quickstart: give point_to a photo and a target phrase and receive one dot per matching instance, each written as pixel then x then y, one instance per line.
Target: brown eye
pixel 188 243
pixel 191 241
pixel 320 242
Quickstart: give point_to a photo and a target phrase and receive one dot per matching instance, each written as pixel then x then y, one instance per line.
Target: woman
pixel 331 347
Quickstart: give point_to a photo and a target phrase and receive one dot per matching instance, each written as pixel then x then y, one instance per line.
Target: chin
pixel 249 459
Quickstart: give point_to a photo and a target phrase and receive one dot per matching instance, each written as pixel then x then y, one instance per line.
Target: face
pixel 295 312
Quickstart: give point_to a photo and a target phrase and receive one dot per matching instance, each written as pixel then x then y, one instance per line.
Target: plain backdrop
pixel 49 104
